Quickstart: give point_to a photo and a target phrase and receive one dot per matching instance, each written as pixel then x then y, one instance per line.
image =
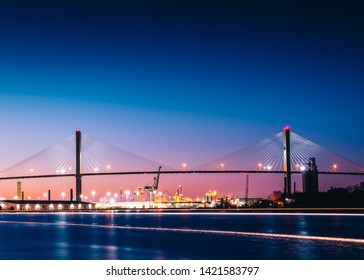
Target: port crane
pixel 154 187
pixel 150 188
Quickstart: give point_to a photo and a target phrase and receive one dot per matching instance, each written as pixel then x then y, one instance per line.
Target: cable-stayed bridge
pixel 89 157
pixel 266 156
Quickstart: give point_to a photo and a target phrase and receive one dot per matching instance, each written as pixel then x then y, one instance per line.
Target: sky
pixel 180 81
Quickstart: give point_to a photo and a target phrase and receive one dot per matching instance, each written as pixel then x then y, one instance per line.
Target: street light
pixel 184 165
pixel 335 166
pixel 63 195
pixel 222 166
pixel 93 195
pixel 269 167
pixel 108 196
pixel 45 196
pixel 116 197
pixel 297 166
pixel 126 195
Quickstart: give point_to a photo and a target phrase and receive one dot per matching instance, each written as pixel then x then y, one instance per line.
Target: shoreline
pixel 199 210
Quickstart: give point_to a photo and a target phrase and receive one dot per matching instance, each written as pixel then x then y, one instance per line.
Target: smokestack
pixel 49 195
pixel 22 195
pixel 71 194
pixel 294 187
pixel 18 190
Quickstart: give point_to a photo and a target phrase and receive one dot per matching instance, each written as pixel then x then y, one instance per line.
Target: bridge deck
pixel 176 172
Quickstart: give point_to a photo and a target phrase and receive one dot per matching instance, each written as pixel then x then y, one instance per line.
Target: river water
pixel 181 235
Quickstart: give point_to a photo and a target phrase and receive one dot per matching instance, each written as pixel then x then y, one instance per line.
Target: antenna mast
pixel 246 190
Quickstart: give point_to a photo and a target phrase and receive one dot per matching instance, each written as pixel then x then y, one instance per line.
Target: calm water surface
pixel 180 235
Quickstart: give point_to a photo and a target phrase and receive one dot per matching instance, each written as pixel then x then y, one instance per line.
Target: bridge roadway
pixel 175 172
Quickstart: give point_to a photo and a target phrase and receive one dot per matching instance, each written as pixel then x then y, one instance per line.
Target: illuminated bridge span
pixel 286 153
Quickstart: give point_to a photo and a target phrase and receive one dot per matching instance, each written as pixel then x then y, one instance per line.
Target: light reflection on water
pixel 160 236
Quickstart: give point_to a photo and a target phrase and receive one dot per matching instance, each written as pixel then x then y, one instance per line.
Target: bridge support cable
pixel 79 155
pixel 97 158
pixel 267 155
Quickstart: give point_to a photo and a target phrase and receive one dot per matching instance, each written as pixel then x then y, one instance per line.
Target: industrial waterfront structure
pixel 45 205
pixel 19 203
pixel 310 177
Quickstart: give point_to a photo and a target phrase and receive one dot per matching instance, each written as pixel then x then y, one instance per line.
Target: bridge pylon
pixel 78 167
pixel 287 160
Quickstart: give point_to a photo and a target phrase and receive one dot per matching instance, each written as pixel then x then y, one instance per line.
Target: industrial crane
pixel 154 187
pixel 150 188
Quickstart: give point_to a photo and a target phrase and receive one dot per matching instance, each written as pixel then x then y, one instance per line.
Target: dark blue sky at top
pixel 209 56
pixel 249 65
